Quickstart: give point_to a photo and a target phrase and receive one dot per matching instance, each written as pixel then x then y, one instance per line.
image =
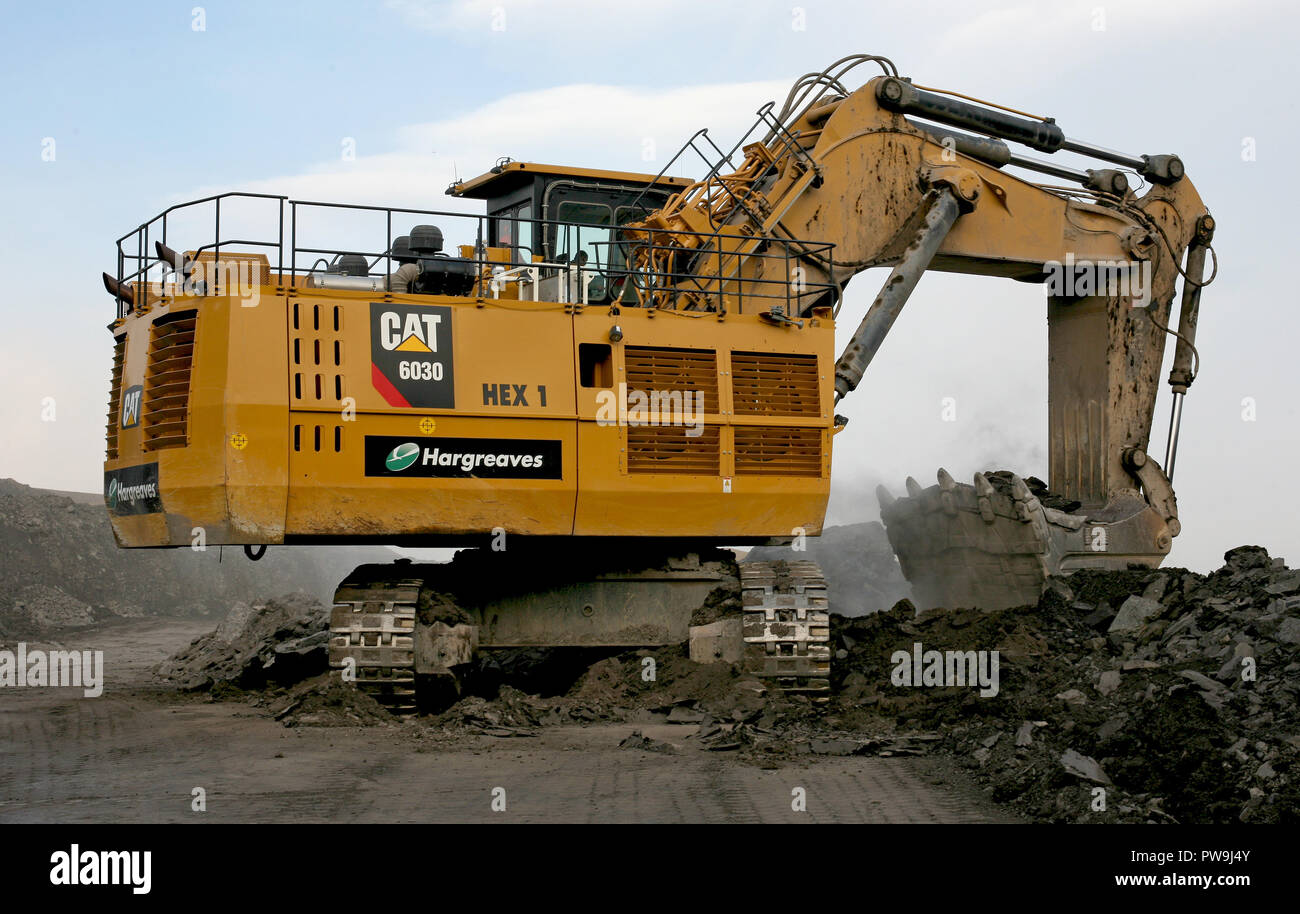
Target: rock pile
pixel 326 701
pixel 1141 696
pixel 279 642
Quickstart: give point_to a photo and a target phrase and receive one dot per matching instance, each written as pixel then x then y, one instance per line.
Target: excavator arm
pixel 883 175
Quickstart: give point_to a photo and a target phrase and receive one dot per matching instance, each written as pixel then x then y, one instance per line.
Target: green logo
pixel 402 456
pixel 112 493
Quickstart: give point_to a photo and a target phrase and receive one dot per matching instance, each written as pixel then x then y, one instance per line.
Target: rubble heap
pixel 278 641
pixel 1175 693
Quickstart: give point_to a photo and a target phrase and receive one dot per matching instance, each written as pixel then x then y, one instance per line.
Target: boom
pixel 852 169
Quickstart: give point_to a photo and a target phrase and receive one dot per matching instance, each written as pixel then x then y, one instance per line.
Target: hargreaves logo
pixel 411 355
pixel 464 458
pixel 131 406
pixel 133 490
pixel 401 457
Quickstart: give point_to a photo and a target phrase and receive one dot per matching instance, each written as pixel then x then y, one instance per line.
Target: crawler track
pixel 372 635
pixel 787 625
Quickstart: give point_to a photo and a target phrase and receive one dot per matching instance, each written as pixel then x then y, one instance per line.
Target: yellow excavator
pixel 615 375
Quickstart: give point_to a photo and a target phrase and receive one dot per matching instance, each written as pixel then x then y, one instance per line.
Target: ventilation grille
pixel 316 353
pixel 668 449
pixel 167 381
pixel 318 438
pixel 687 370
pixel 775 384
pixel 115 396
pixel 766 451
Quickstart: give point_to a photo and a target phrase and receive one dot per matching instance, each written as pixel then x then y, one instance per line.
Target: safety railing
pixel 714 275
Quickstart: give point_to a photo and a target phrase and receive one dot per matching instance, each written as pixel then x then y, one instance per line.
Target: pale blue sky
pixel 144 111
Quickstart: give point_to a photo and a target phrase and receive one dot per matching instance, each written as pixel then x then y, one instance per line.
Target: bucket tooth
pixel 947 492
pixel 913 487
pixel 1020 493
pixel 884 496
pixel 1018 488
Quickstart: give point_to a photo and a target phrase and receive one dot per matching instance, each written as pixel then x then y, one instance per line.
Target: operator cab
pixel 563 215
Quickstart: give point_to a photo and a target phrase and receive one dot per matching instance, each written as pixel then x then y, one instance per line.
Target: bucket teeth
pixel 947 492
pixel 913 487
pixel 1026 504
pixel 983 488
pixel 885 497
pixel 1018 488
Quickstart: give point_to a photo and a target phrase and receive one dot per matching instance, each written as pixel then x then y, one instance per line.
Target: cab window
pixel 513 231
pixel 579 232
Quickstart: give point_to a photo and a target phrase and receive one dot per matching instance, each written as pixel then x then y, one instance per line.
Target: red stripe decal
pixel 386 388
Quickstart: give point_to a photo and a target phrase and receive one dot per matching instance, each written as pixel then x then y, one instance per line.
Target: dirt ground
pixel 137 753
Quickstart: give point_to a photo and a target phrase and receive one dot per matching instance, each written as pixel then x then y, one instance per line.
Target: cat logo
pixel 131 406
pixel 411 355
pixel 411 332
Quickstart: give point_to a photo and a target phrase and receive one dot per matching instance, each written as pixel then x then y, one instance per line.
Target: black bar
pixel 1056 171
pixel 986 149
pixel 900 96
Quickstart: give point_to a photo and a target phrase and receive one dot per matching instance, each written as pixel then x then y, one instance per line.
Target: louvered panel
pixel 651 369
pixel 775 384
pixel 668 449
pixel 766 451
pixel 316 354
pixel 175 388
pixel 115 396
pixel 172 363
pixel 167 381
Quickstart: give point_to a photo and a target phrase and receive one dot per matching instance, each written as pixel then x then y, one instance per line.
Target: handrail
pixel 285 245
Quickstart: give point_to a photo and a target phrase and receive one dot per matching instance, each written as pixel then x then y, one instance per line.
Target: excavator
pixel 616 376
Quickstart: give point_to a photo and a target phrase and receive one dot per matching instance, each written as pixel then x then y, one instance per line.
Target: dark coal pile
pixel 62 569
pixel 545 672
pixel 720 709
pixel 637 740
pixel 1174 692
pixel 1002 482
pixel 858 562
pixel 326 701
pixel 272 642
pixel 510 713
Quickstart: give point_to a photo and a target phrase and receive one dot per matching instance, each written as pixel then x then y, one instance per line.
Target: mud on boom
pixel 389 388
